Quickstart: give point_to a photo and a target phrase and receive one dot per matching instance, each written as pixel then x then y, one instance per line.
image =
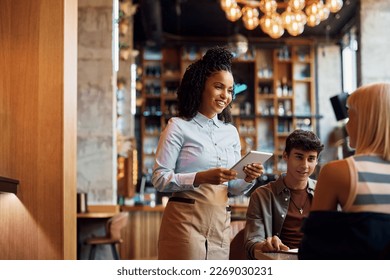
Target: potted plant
pixel 124 51
pixel 123 25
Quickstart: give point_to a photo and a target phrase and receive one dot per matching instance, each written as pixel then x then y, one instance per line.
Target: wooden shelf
pixel 8 185
pixel 278 114
pixel 280 96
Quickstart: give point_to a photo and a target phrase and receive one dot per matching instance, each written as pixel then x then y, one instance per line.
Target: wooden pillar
pixel 38 112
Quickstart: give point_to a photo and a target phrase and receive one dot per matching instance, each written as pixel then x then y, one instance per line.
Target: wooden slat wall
pixel 38 109
pixel 141 235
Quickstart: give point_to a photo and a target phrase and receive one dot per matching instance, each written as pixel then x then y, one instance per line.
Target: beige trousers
pixel 196 225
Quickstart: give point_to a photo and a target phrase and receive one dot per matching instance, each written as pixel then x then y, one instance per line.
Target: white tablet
pixel 251 157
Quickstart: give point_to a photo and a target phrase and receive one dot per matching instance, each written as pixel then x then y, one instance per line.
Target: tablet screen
pixel 251 157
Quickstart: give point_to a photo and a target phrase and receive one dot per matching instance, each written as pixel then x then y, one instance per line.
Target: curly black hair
pixel 189 93
pixel 303 140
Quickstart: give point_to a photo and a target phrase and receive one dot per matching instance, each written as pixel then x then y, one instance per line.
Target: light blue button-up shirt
pixel 187 147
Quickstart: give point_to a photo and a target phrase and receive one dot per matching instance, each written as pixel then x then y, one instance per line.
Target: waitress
pixel 194 154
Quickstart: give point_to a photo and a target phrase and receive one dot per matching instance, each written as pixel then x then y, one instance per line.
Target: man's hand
pixel 271 244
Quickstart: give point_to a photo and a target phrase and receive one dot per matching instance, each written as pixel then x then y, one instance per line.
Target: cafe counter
pixel 141 233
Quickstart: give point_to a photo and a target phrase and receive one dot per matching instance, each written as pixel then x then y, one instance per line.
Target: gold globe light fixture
pixel 334 5
pixel 250 17
pixel 277 16
pixel 233 12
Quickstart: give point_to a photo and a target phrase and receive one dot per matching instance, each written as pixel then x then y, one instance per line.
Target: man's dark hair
pixel 303 140
pixel 189 93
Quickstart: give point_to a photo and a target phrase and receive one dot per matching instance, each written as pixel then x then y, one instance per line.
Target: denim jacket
pixel 266 212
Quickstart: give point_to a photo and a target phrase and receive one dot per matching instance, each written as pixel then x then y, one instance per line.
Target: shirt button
pixel 219 158
pixel 215 144
pixel 286 199
pixel 282 215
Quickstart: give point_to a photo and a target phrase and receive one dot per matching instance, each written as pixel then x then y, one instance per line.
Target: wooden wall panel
pixel 141 235
pixel 69 142
pixel 38 147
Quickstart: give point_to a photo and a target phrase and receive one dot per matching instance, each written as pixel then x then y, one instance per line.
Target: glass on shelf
pixel 287 107
pixel 302 98
pixel 304 124
pixel 302 71
pixel 171 70
pixel 152 111
pixel 150 145
pixel 284 126
pixel 247 127
pixel 265 73
pixel 265 89
pixel 150 54
pixel 153 129
pixel 247 144
pixel 171 109
pixel 171 87
pixel 153 71
pixel 281 111
pixel 266 108
pixel 282 165
pixel 279 89
pixel 284 54
pixel 153 88
pixel 246 109
pixel 190 53
pixel 302 53
pixel 265 139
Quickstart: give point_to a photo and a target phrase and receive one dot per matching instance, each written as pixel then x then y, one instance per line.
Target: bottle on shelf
pixel 281 111
pixel 279 90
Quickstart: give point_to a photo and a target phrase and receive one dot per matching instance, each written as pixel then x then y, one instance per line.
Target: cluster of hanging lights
pixel 295 15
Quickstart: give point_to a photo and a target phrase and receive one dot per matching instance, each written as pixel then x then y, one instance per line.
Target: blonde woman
pixel 358 185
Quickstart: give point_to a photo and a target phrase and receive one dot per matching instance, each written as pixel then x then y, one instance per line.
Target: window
pixel 349 47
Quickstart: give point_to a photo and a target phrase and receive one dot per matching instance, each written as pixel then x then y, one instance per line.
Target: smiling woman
pixel 218 94
pixel 193 160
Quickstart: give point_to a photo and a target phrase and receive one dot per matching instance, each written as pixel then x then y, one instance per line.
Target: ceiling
pixel 158 22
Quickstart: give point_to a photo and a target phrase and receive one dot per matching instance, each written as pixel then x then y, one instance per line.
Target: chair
pixel 235 227
pixel 113 235
pixel 237 249
pixel 332 235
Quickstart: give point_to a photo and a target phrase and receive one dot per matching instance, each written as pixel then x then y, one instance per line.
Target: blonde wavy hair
pixel 372 104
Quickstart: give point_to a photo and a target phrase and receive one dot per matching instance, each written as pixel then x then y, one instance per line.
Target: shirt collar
pixel 280 186
pixel 202 120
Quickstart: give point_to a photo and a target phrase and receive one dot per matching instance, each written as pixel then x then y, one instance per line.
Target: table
pixel 91 223
pixel 276 255
pixel 92 215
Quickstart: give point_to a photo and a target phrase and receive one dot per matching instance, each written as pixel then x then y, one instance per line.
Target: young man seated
pixel 277 209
